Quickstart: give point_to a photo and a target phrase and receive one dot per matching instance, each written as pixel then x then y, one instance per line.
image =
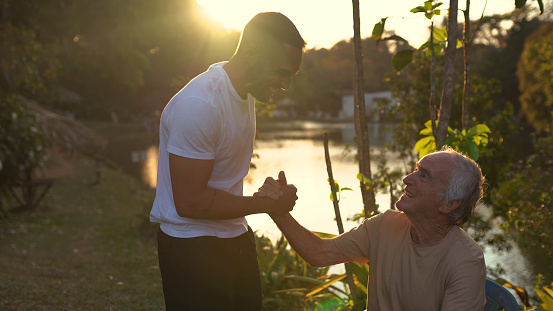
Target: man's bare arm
pixel 193 199
pixel 315 250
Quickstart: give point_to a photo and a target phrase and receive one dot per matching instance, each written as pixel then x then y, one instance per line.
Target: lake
pixel 296 147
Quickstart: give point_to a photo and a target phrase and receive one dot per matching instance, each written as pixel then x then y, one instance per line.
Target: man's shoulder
pixel 464 246
pixel 205 84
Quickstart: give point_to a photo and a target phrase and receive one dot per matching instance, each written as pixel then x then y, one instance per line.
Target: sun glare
pixel 231 14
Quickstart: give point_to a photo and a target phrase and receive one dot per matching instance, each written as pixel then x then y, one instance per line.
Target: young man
pixel 419 257
pixel 207 254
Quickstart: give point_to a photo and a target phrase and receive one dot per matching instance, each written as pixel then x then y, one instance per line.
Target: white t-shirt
pixel 206 120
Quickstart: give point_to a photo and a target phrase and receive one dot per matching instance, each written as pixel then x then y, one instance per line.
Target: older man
pixel 420 258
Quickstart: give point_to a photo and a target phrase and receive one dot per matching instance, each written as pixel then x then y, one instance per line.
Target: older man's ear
pixel 453 205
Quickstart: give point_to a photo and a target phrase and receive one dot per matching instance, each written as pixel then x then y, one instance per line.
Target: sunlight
pixel 149 172
pixel 323 25
pixel 231 14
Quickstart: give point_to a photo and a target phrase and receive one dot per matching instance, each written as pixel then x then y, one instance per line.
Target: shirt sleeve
pixel 355 244
pixel 194 129
pixel 466 289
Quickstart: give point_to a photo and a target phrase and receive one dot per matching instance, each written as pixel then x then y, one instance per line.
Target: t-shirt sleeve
pixel 355 243
pixel 466 289
pixel 193 129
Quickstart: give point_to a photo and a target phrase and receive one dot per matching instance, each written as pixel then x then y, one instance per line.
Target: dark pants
pixel 209 273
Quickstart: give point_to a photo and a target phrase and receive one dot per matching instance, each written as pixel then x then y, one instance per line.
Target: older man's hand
pixel 283 194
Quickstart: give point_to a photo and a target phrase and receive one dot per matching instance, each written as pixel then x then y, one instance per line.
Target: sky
pixel 322 23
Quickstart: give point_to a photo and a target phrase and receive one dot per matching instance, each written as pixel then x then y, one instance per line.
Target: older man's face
pixel 423 185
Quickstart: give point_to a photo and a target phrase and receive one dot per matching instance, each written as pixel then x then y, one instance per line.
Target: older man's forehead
pixel 436 163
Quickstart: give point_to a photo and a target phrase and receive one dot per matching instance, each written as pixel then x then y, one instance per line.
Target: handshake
pixel 283 195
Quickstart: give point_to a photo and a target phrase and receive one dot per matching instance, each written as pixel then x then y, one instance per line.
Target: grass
pixel 86 247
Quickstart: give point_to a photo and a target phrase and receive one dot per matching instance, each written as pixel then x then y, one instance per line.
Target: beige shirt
pixel 448 275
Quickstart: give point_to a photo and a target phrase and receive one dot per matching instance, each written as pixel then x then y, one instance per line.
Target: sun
pixel 233 15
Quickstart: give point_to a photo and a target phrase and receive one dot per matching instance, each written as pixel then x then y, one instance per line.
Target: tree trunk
pixel 432 81
pixel 360 118
pixel 466 54
pixel 447 92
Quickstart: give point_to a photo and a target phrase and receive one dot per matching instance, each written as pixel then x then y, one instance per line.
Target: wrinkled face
pixel 274 72
pixel 424 184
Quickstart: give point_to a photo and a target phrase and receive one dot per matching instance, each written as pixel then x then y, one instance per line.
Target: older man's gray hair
pixel 466 183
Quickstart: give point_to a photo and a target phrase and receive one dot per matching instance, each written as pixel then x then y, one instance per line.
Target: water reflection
pixel 149 171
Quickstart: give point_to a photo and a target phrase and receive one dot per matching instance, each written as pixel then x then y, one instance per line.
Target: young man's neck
pixel 236 74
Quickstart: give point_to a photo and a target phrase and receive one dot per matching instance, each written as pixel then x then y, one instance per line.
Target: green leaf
pixel 547 300
pixel 378 29
pixel 429 15
pixel 418 9
pixel 394 38
pixel 319 288
pixel 520 3
pixel 428 148
pixel 437 5
pixel 423 143
pixel 402 59
pixel 473 152
pixel 428 5
pixel 437 50
pixel 426 131
pixel 362 178
pixel 459 44
pixel 478 129
pixel 346 188
pixel 437 12
pixel 424 46
pixel 440 34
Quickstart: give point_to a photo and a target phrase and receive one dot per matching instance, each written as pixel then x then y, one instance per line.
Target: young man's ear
pixel 453 205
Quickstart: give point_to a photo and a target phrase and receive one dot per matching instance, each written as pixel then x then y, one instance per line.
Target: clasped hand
pixel 282 193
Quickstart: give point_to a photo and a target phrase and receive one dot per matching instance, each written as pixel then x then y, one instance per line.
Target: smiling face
pixel 273 71
pixel 424 185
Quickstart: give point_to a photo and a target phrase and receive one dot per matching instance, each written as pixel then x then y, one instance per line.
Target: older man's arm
pixel 465 291
pixel 315 250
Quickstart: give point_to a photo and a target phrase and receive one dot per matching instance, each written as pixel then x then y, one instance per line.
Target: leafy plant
pixel 472 142
pixel 338 194
pixel 21 143
pixel 289 283
pixel 546 295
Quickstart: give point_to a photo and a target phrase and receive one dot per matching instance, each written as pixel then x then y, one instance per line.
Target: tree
pixel 21 144
pixel 535 73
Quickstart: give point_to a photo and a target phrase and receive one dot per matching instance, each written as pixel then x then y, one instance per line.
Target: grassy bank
pixel 86 247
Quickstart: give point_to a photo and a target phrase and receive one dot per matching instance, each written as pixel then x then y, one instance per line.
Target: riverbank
pixel 86 247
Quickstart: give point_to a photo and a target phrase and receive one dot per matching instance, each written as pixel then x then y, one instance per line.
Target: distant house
pixel 371 100
pixel 285 108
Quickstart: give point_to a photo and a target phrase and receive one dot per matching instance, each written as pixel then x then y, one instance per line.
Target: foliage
pixel 546 295
pixel 525 198
pixel 535 73
pixel 21 142
pixel 472 142
pixel 28 64
pixel 289 283
pixel 388 180
pixel 338 194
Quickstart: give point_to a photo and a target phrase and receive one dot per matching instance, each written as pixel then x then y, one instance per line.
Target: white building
pixel 371 102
